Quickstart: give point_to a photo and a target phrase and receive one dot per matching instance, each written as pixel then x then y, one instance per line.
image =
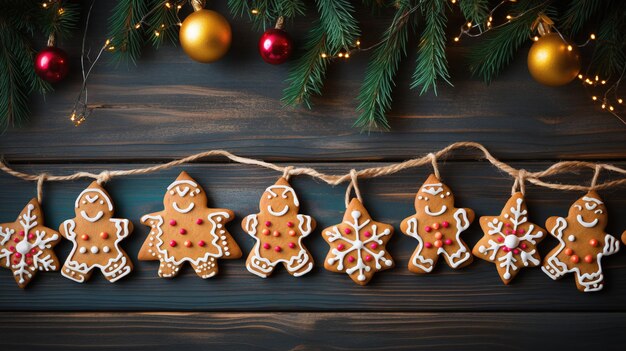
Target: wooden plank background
pixel 169 107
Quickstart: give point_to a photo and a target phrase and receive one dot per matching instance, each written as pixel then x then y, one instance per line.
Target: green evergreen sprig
pixel 164 21
pixel 475 11
pixel 125 40
pixel 375 94
pixel 432 63
pixel 265 13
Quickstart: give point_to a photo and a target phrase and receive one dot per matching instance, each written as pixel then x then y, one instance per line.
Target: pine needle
pixel 125 39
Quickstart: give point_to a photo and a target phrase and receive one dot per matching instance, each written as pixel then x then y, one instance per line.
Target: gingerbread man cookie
pixel 279 229
pixel 357 245
pixel 187 231
pixel 510 240
pixel 437 225
pixel 582 243
pixel 26 246
pixel 96 236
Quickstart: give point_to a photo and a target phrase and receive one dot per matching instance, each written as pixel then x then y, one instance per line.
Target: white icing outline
pixel 93 219
pixel 279 213
pixel 435 214
pixel 432 189
pixel 99 191
pixel 581 221
pixel 286 190
pixel 185 210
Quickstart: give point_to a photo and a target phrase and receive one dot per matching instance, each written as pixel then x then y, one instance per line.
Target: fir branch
pixel 336 17
pixel 375 94
pixel 475 11
pixel 162 20
pixel 496 50
pixel 60 18
pixel 578 12
pixel 307 74
pixel 609 55
pixel 266 12
pixel 431 59
pixel 127 41
pixel 14 97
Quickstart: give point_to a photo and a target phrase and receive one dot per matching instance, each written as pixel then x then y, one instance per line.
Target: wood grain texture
pixel 169 106
pixel 389 199
pixel 311 331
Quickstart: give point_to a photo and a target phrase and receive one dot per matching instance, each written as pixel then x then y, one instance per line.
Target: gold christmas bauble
pixel 205 36
pixel 552 61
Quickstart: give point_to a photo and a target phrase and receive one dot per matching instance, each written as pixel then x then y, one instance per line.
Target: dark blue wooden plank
pixel 312 331
pixel 390 199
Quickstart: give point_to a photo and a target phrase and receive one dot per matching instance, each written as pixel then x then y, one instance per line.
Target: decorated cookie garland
pixel 186 230
pixel 357 244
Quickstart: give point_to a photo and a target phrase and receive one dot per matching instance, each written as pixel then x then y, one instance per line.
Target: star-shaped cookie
pixel 510 240
pixel 188 231
pixel 357 245
pixel 26 245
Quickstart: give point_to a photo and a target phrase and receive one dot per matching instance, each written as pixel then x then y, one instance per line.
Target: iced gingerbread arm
pixel 305 224
pixel 249 224
pixel 551 226
pixel 611 245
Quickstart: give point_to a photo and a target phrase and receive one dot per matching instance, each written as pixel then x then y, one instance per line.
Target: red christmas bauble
pixel 51 64
pixel 275 46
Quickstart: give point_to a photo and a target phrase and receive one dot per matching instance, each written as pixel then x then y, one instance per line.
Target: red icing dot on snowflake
pixel 29 262
pixel 22 233
pixel 368 258
pixel 367 234
pixel 267 246
pixel 523 246
pixel 521 231
pixel 172 243
pixel 350 259
pixel 12 248
pixel 173 222
pixel 500 239
pixel 199 221
pixel 201 243
pixel 341 247
pixel 29 255
pixel 33 250
pixel 373 246
pixel 18 255
pixel 516 251
pixel 292 245
pixel 506 249
pixel 347 231
pixel 17 240
pixel 31 236
pixel 507 224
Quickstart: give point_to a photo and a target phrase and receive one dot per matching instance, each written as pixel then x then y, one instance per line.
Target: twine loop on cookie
pixel 353 185
pixel 42 178
pixel 519 182
pixel 103 177
pixel 433 161
pixel 287 172
pixel 596 175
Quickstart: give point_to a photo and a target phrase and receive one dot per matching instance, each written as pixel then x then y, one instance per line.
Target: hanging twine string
pixel 534 178
pixel 596 175
pixel 519 182
pixel 353 185
pixel 40 180
pixel 287 172
pixel 433 160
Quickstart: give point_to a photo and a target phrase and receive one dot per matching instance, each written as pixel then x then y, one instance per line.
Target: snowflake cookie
pixel 437 225
pixel 188 231
pixel 278 230
pixel 582 243
pixel 95 235
pixel 26 246
pixel 510 240
pixel 357 245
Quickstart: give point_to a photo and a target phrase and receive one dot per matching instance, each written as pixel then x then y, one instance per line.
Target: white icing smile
pixel 183 210
pixel 440 212
pixel 92 219
pixel 582 222
pixel 277 214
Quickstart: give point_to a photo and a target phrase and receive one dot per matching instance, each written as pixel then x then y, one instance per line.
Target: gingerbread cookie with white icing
pixel 582 243
pixel 278 230
pixel 95 235
pixel 188 231
pixel 26 245
pixel 510 240
pixel 357 245
pixel 437 225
